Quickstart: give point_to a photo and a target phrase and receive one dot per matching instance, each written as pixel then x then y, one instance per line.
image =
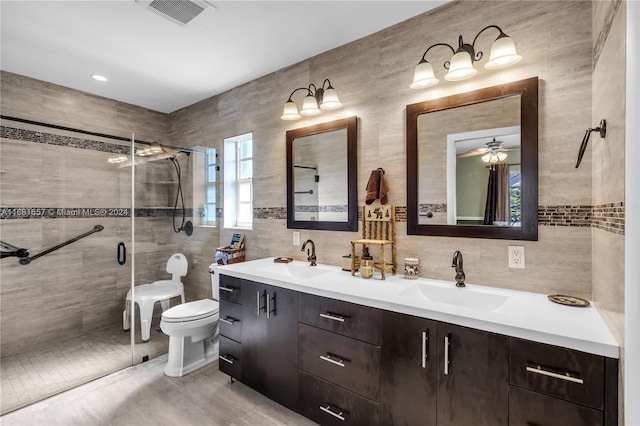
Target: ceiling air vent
pixel 179 11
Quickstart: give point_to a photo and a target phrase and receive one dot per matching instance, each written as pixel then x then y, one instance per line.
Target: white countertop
pixel 525 315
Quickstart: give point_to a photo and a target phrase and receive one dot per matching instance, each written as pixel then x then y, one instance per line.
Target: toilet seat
pixel 191 311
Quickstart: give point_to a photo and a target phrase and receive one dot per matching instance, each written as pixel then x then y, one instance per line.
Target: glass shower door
pixel 65 205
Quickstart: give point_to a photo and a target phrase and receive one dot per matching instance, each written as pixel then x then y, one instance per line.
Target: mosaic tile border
pixel 59 140
pixel 609 217
pixel 322 209
pixel 270 213
pixel 433 208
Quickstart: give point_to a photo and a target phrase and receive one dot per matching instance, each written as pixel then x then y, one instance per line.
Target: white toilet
pixel 193 331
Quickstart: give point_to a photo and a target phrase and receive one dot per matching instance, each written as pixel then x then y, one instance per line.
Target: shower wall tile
pixel 79 288
pixel 608 165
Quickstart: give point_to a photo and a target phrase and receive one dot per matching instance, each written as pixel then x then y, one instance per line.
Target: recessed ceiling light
pixel 99 77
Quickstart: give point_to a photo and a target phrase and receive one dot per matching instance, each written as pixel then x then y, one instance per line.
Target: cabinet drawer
pixel 564 373
pixel 327 404
pixel 230 288
pixel 347 362
pixel 348 319
pixel 230 361
pixel 230 322
pixel 527 408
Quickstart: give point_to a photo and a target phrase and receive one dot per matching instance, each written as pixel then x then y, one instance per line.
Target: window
pixel 211 160
pixel 205 182
pixel 238 181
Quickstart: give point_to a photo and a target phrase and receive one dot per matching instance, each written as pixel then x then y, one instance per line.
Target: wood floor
pixel 143 395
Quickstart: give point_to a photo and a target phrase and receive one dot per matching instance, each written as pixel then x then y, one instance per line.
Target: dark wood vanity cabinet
pixel 339 361
pixel 230 327
pixel 439 373
pixel 269 341
pixel 408 370
pixel 473 376
pixel 551 385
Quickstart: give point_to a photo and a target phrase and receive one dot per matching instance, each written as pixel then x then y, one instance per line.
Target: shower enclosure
pixel 73 200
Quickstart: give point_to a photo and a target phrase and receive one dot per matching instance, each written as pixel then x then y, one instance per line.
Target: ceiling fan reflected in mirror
pixel 492 152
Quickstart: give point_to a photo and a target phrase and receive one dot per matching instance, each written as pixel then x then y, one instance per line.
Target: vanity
pixel 342 350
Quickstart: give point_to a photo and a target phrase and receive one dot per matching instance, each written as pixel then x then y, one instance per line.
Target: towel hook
pixel 602 129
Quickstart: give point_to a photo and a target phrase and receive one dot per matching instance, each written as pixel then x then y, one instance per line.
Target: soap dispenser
pixel 366 264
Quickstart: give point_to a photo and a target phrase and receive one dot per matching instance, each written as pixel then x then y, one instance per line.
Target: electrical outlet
pixel 296 238
pixel 516 256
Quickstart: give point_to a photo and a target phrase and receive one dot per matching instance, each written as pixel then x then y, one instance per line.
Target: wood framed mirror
pixel 472 164
pixel 322 175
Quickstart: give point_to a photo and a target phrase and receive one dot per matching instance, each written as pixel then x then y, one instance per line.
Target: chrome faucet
pixel 457 263
pixel 310 257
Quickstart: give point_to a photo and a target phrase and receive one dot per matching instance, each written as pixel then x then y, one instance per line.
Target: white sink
pixel 458 296
pixel 297 271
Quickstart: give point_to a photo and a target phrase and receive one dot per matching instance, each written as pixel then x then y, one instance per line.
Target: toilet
pixel 192 328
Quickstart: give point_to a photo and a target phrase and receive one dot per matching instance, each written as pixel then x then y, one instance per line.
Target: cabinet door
pixel 473 368
pixel 282 346
pixel 408 370
pixel 254 336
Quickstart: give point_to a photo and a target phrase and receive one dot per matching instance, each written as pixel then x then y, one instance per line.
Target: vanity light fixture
pixel 503 54
pixel 317 98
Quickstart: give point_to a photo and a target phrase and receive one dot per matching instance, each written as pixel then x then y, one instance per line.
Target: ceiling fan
pixel 492 152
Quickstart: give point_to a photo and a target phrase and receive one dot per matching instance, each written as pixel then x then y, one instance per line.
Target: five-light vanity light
pixel 503 54
pixel 317 99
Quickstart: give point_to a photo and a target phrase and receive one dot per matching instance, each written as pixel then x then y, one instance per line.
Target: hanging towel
pixel 377 187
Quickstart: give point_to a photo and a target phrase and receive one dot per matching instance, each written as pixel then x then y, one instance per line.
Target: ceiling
pixel 155 63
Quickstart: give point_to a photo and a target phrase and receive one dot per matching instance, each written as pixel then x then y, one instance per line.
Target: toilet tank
pixel 215 281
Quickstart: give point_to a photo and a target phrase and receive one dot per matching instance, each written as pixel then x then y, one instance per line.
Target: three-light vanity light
pixel 460 67
pixel 317 99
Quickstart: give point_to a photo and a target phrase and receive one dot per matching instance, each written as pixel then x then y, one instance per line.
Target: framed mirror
pixel 322 175
pixel 472 164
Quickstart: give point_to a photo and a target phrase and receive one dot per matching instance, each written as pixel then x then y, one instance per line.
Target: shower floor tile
pixel 40 372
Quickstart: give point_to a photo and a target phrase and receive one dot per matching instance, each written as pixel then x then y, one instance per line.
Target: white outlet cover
pixel 516 257
pixel 296 238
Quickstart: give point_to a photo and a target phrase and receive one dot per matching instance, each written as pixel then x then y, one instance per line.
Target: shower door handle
pixel 122 253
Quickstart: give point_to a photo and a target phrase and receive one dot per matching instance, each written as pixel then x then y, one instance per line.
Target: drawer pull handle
pixel 333 317
pixel 566 376
pixel 328 358
pixel 266 295
pixel 228 320
pixel 425 348
pixel 257 303
pixel 229 289
pixel 447 353
pixel 227 358
pixel 328 410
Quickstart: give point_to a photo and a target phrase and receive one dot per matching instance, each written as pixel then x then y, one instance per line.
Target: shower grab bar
pixel 10 250
pixel 27 260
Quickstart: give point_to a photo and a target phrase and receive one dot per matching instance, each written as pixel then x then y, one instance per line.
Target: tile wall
pixel 372 76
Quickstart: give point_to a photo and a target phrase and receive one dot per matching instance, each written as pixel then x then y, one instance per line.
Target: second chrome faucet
pixel 311 257
pixel 457 263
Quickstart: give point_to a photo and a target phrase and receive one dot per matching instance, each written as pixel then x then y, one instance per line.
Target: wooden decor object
pixel 378 229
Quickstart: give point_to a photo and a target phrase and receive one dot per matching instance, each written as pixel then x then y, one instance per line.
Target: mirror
pixel 472 164
pixel 321 176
